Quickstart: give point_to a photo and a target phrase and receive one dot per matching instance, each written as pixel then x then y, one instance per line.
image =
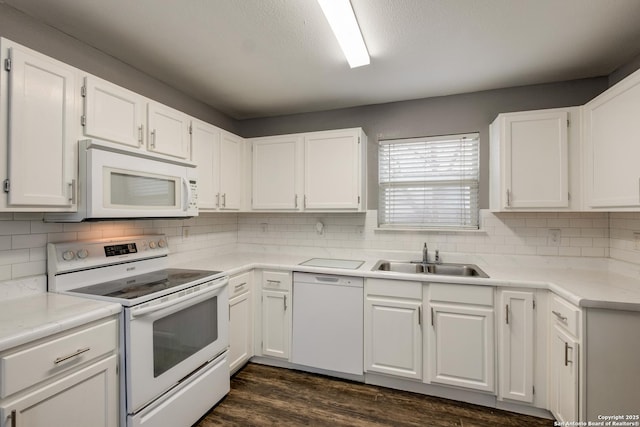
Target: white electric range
pixel 174 326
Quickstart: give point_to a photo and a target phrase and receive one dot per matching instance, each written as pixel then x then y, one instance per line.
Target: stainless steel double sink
pixel 444 269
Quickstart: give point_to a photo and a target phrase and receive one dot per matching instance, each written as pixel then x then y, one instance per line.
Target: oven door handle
pixel 200 295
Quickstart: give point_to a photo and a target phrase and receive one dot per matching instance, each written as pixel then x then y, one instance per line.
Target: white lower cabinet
pixel 69 379
pixel 564 363
pixel 87 397
pixel 393 328
pixel 516 325
pixel 461 336
pixel 276 314
pixel 240 320
pixel 564 376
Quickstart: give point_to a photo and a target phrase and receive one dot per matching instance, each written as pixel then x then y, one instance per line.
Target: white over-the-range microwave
pixel 115 182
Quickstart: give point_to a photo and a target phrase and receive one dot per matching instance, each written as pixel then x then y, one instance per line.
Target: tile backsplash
pixel 559 234
pixel 23 236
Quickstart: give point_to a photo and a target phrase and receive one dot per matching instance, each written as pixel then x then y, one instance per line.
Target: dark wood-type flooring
pixel 263 395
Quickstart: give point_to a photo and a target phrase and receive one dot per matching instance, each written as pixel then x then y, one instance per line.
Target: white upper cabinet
pixel 276 173
pixel 38 156
pixel 612 147
pixel 333 169
pixel 205 145
pixel 535 160
pixel 218 155
pixel 113 113
pixel 315 171
pixel 168 131
pixel 231 172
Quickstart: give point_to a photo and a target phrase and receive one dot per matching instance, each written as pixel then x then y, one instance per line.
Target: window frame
pixel 458 172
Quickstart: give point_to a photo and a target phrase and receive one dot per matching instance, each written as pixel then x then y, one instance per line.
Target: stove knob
pixel 83 253
pixel 162 243
pixel 152 245
pixel 68 255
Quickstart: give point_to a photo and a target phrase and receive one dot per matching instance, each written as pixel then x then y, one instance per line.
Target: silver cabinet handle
pixel 217 200
pixel 273 282
pixel 153 139
pixel 559 315
pixel 506 313
pixel 224 200
pixel 72 192
pixel 305 201
pixel 140 134
pixel 14 416
pixel 74 354
pixel 240 286
pixel 295 201
pixel 432 316
pixel 285 303
pixel 566 353
pixel 420 315
pixel 508 197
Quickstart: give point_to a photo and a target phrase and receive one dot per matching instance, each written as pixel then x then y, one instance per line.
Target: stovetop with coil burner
pixel 144 284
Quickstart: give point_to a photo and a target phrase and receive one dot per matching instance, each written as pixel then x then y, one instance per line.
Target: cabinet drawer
pixel 566 315
pixel 239 284
pixel 27 367
pixel 276 280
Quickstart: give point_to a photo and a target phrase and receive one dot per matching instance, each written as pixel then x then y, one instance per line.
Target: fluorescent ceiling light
pixel 343 22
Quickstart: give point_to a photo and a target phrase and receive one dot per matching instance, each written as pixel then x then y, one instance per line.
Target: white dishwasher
pixel 327 322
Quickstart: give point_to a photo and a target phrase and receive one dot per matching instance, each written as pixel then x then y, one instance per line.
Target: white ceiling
pixel 255 58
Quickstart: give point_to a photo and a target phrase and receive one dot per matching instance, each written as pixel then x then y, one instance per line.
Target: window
pixel 429 182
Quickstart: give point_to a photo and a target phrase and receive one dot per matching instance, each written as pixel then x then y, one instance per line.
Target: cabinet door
pixel 393 337
pixel 332 170
pixel 168 131
pixel 612 146
pixel 275 173
pixel 240 330
pixel 113 113
pixel 536 162
pixel 42 156
pixel 275 324
pixel 205 140
pixel 87 397
pixel 230 171
pixel 516 346
pixel 564 376
pixel 461 342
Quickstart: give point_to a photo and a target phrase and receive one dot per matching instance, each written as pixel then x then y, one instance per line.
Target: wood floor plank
pixel 268 396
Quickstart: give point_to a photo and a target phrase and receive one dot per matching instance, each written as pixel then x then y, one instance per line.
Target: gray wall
pixel 472 112
pixel 22 29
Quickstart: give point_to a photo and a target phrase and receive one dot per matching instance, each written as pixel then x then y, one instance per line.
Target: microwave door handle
pixel 187 194
pixel 199 295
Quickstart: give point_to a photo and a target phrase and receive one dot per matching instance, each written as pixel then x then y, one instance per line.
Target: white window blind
pixel 429 182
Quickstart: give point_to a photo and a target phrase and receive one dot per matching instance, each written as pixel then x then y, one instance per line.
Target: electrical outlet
pixel 185 232
pixel 554 237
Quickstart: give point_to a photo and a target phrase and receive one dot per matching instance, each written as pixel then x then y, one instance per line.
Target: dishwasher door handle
pixel 327 279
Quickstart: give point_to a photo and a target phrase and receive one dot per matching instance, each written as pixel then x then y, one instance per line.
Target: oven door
pixel 171 337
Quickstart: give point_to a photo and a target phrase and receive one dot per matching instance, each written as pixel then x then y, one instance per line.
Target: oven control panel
pixel 67 256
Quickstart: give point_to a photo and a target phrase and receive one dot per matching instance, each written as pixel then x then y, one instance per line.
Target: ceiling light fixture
pixel 343 22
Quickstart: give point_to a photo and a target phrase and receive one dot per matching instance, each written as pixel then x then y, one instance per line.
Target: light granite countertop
pixel 586 282
pixel 32 317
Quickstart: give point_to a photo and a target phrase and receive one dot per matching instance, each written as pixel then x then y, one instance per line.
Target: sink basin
pixel 445 269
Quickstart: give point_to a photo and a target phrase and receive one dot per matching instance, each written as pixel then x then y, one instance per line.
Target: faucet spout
pixel 425 254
